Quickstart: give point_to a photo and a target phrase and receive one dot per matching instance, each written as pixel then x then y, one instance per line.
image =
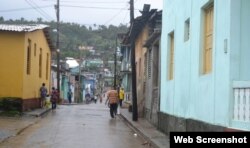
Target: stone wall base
pixel 168 123
pixel 29 104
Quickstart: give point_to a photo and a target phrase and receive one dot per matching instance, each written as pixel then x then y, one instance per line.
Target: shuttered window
pixel 28 57
pixel 187 30
pixel 40 63
pixel 208 39
pixel 47 67
pixel 34 49
pixel 171 57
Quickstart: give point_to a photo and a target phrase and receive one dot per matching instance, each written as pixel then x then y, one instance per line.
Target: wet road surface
pixel 77 126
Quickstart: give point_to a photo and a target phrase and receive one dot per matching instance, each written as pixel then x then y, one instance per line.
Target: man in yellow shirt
pixel 121 96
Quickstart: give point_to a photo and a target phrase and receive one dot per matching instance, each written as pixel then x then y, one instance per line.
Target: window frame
pixel 171 38
pixel 208 35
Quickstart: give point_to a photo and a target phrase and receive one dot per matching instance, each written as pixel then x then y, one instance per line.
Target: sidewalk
pixel 156 138
pixel 12 126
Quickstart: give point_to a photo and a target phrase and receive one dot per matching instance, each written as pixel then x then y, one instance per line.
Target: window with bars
pixel 155 65
pixel 139 68
pixel 145 66
pixel 149 63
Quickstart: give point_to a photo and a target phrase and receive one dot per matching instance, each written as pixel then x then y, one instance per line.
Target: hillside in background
pixel 73 35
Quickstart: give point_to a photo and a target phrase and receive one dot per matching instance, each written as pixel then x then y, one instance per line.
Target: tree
pixel 39 20
pixel 1 19
pixel 72 35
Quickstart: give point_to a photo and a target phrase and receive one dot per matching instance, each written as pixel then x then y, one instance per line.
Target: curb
pixel 38 114
pixel 149 141
pixel 43 113
pixel 18 132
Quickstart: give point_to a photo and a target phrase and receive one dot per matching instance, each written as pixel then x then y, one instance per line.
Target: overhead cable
pixel 24 9
pixel 45 15
pixel 94 7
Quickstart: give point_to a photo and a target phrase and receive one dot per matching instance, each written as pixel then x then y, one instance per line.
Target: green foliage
pixel 73 35
pixel 12 113
pixel 11 104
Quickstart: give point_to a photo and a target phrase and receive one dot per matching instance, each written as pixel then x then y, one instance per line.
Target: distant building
pixel 25 57
pixel 92 63
pixel 82 48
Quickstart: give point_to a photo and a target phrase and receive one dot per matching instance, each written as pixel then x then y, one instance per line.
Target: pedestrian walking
pixel 121 96
pixel 43 95
pixel 54 98
pixel 87 98
pixel 95 98
pixel 70 96
pixel 112 99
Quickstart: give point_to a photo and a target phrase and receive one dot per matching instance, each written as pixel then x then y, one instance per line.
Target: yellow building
pixel 25 56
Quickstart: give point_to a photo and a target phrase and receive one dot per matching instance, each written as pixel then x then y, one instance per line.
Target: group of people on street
pixel 114 97
pixel 54 96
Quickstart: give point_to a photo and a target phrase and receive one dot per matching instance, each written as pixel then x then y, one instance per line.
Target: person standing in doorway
pixel 43 94
pixel 70 96
pixel 112 98
pixel 54 98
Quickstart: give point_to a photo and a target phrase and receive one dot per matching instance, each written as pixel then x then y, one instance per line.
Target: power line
pixel 45 15
pixel 113 17
pixel 128 4
pixel 47 6
pixel 42 10
pixel 125 17
pixel 92 2
pixel 89 1
pixel 24 9
pixel 116 14
pixel 94 7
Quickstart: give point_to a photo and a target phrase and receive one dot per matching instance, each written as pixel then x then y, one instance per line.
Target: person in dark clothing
pixel 43 94
pixel 54 98
pixel 70 96
pixel 87 98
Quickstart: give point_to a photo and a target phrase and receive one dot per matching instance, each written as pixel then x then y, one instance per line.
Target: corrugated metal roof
pixel 29 28
pixel 22 28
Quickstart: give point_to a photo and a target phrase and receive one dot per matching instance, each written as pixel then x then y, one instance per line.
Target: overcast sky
pixel 85 12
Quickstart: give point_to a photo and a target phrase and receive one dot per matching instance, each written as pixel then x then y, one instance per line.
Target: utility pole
pixel 132 47
pixel 79 79
pixel 131 12
pixel 115 62
pixel 57 46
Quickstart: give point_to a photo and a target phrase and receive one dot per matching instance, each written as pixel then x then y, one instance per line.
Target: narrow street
pixel 77 126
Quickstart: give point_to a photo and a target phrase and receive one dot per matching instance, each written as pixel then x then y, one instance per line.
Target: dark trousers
pixel 69 100
pixel 53 105
pixel 113 109
pixel 120 101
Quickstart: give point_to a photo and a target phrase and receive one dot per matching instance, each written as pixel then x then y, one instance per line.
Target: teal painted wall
pixel 240 45
pixel 240 33
pixel 65 87
pixel 192 94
